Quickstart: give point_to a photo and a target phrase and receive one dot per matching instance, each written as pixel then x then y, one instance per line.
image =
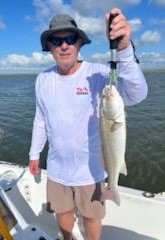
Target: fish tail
pixel 111 194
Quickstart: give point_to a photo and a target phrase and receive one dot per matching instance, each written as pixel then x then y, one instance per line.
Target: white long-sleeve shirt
pixel 67 115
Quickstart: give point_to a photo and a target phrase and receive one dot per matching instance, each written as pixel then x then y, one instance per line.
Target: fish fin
pixel 111 194
pixel 123 169
pixel 125 114
pixel 115 126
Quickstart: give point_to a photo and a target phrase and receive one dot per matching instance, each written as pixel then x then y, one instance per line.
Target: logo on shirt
pixel 81 90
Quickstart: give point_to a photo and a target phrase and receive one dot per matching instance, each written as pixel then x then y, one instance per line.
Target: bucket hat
pixel 59 23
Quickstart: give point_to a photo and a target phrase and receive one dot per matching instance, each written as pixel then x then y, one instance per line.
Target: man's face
pixel 64 47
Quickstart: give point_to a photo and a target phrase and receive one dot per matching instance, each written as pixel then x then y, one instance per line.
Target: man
pixel 67 115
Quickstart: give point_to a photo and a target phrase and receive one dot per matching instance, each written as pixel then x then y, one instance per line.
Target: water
pixel 145 155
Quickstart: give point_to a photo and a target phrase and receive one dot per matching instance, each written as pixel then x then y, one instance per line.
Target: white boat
pixel 24 214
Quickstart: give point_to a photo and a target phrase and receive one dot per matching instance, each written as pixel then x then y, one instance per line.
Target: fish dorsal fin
pixel 123 169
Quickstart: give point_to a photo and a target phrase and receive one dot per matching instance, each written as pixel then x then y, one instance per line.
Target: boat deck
pixel 138 217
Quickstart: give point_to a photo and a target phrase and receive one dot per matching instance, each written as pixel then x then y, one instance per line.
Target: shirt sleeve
pixel 131 81
pixel 39 137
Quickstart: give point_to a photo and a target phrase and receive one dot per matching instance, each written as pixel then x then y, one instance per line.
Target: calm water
pixel 145 154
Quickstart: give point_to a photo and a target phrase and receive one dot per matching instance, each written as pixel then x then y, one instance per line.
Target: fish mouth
pixel 107 92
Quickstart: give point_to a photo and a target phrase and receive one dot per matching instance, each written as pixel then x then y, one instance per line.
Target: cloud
pixel 89 18
pixel 86 23
pixel 160 2
pixel 28 18
pixel 157 22
pixel 89 15
pixel 135 23
pixel 152 60
pixel 35 62
pixel 155 57
pixel 150 37
pixel 92 6
pixel 39 61
pixel 148 60
pixel 100 57
pixel 2 25
pixel 47 9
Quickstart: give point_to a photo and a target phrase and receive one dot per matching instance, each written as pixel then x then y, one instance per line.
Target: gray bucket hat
pixel 59 23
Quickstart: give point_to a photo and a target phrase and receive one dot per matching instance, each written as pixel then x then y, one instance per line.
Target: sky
pixel 23 21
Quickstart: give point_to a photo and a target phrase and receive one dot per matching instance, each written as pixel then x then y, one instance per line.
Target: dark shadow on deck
pixel 116 233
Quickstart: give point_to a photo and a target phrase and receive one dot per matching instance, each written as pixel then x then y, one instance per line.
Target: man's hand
pixel 34 167
pixel 119 28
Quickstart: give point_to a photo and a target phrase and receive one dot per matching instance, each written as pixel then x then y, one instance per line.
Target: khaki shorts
pixel 86 199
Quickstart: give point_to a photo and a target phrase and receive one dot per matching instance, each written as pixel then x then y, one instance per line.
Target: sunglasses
pixel 58 41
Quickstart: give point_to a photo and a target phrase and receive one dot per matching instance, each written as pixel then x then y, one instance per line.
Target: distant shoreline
pixel 18 73
pixel 154 70
pixel 36 72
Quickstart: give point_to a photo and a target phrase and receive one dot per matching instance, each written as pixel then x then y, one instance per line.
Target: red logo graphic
pixel 81 90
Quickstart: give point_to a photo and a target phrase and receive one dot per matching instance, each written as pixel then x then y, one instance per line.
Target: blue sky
pixel 21 23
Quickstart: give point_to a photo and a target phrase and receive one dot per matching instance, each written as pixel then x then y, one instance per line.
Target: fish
pixel 113 140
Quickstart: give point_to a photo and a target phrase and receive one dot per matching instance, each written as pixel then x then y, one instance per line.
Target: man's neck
pixel 69 70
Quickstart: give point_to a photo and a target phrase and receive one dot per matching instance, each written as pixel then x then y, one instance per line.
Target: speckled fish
pixel 113 139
